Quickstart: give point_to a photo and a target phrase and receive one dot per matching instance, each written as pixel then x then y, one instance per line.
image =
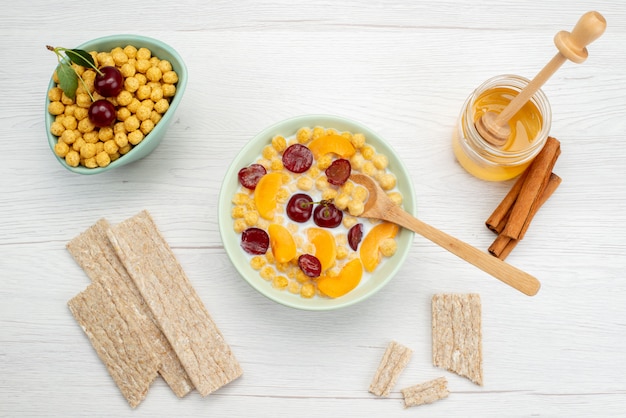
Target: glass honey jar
pixel 530 127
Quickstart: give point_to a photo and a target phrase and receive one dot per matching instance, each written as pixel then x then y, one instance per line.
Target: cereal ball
pixel 257 262
pixel 141 78
pixel 119 127
pixel 143 53
pixel 88 151
pixel 81 113
pixel 86 125
pixel 78 144
pixel 111 147
pixel 294 287
pixel 91 137
pixel 123 113
pixel 131 84
pixel 134 105
pixel 388 247
pixel 143 92
pixel 169 90
pixel 329 194
pixel 90 162
pixel 57 128
pixel 83 100
pixel 142 65
pixel 164 66
pixel 135 137
pixel 128 70
pixel 146 126
pixel 170 77
pixel 276 164
pixel 269 152
pixel 119 57
pixel 61 149
pixel 279 143
pixel 387 181
pixel 155 117
pixel 318 132
pixel 131 123
pixel 147 103
pixel 161 106
pixel 154 74
pixel 56 108
pixel 304 183
pixel 303 135
pixel 70 122
pixel 124 98
pixel 342 201
pixel 66 100
pixel 156 94
pixel 143 113
pixel 106 133
pixel 55 94
pixel 369 168
pixel 395 197
pixel 267 272
pixel 380 161
pixel 72 158
pixel 130 51
pixel 102 158
pixel 68 136
pixel 99 147
pixel 357 161
pixel 280 282
pixel 358 140
pixel 123 150
pixel 356 207
pixel 307 290
pixel 324 161
pixel 251 218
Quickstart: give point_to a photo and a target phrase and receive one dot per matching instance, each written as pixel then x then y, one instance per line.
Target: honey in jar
pixel 529 130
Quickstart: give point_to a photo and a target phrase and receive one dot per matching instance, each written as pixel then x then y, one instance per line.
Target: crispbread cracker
pixel 427 392
pixel 394 360
pixel 120 344
pixel 94 253
pixel 176 306
pixel 457 335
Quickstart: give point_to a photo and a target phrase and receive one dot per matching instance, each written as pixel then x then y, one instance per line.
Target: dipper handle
pixel 573 45
pixel 494 128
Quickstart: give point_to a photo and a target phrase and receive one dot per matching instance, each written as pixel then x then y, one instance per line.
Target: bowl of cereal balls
pixel 110 101
pixel 289 213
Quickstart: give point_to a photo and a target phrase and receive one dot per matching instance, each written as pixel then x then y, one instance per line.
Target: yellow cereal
pixel 360 193
pixel 123 113
pixel 369 168
pixel 342 201
pixel 380 161
pixel 349 221
pixel 329 194
pixel 276 164
pixel 307 290
pixel 103 159
pixel 170 77
pixel 251 218
pixel 87 151
pixel 143 92
pixel 164 66
pixel 90 162
pixel 341 253
pixel 356 207
pixel 395 197
pixel 322 183
pixel 304 135
pixel 135 137
pixel 387 181
pixel 68 136
pixel 238 211
pixel 267 272
pixel 279 143
pixel 143 113
pixel 142 65
pixel 257 262
pixel 61 149
pixel 318 132
pixel 156 94
pixel 269 152
pixel 388 247
pixel 125 149
pixel 240 225
pixel 141 78
pixel 294 287
pixel 72 158
pixel 324 161
pixel 91 137
pixel 131 123
pixel 121 139
pixel 169 90
pixel 154 74
pixel 146 126
pixel 358 140
pixel 280 282
pixel 55 94
pixel 105 133
pixel 56 108
pixel 161 106
pixel 110 147
pixel 304 183
pixel 57 128
pixel 131 84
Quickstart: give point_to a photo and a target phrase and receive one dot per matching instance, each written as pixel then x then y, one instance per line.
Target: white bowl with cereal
pixel 289 215
pixel 92 130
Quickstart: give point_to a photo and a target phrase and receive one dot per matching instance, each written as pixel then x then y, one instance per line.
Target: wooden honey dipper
pixel 494 127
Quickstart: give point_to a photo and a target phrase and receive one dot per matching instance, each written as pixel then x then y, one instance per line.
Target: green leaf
pixel 80 57
pixel 68 80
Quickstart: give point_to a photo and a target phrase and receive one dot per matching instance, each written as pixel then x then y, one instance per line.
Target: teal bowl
pixel 154 138
pixel 231 239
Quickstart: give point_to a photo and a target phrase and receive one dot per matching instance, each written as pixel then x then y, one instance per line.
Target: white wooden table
pixel 401 67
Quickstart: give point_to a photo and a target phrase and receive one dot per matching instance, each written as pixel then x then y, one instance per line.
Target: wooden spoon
pixel 379 206
pixel 494 127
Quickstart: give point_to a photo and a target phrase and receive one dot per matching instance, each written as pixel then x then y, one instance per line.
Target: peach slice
pixel 282 243
pixel 265 194
pixel 370 247
pixel 325 246
pixel 347 279
pixel 336 144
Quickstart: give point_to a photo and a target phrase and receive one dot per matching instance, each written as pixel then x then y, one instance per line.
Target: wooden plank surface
pixel 404 69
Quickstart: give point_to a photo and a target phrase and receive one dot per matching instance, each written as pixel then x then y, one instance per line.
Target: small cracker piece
pixel 457 335
pixel 119 344
pixel 394 361
pixel 177 308
pixel 427 392
pixel 93 252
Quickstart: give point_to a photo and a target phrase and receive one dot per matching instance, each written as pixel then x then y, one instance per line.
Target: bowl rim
pixel 230 184
pixel 127 39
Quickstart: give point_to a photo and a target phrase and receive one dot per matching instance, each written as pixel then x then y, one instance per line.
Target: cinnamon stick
pixel 500 215
pixel 527 201
pixel 503 245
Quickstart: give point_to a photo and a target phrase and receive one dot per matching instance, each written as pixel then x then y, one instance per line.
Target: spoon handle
pixel 499 269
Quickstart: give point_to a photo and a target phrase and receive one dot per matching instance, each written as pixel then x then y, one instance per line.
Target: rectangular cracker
pixel 94 253
pixel 457 335
pixel 177 308
pixel 394 361
pixel 120 344
pixel 427 392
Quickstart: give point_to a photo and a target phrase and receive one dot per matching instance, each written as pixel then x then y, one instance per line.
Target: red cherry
pixel 102 113
pixel 109 81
